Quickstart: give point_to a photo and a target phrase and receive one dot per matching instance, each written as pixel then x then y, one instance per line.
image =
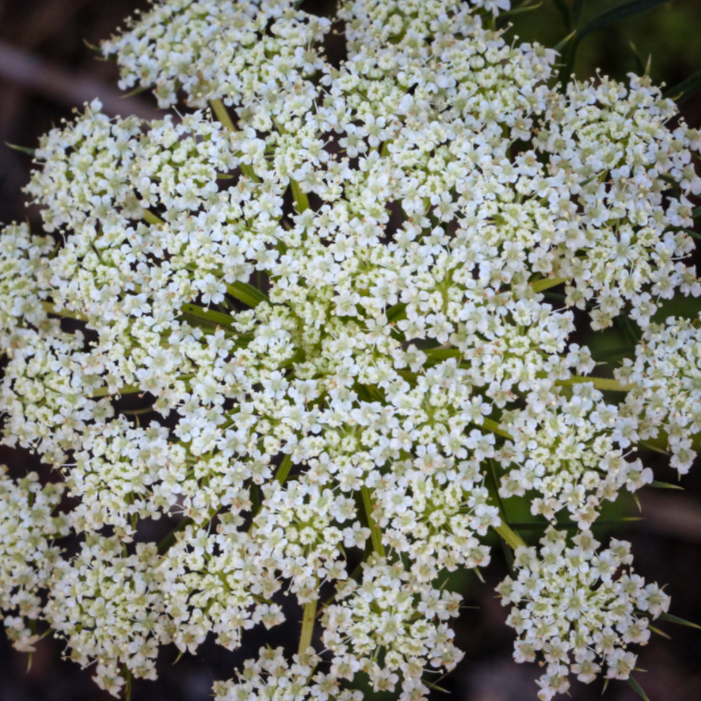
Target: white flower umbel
pixel 576 608
pixel 312 328
pixel 29 523
pixel 665 381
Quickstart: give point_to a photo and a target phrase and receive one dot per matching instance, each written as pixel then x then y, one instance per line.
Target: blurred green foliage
pixel 670 33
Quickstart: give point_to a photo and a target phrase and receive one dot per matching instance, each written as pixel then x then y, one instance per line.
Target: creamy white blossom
pixel 312 330
pixel 574 606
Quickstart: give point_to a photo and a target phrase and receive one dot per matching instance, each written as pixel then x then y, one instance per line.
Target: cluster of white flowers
pixel 665 388
pixel 328 310
pixel 28 526
pixel 257 55
pixel 271 676
pixel 575 605
pixel 105 601
pixel 395 615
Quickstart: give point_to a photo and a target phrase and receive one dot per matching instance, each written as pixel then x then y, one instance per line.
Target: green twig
pixel 305 639
pixel 547 283
pixel 375 532
pixel 222 114
pixel 284 469
pixel 51 309
pixel 603 383
pixel 493 427
pixel 512 538
pixel 508 554
pixel 300 198
pixel 151 218
pixel 216 318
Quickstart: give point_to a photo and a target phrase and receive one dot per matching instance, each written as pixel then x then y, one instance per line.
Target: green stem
pixel 508 555
pixel 375 532
pixel 51 309
pixel 547 283
pixel 495 481
pixel 216 318
pixel 511 538
pixel 603 383
pixel 105 391
pixel 281 476
pixel 128 389
pixel 223 116
pixel 300 198
pixel 284 469
pixel 493 427
pixel 437 355
pixel 151 218
pixel 305 639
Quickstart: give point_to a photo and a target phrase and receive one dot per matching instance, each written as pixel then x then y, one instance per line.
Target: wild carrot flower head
pixel 329 299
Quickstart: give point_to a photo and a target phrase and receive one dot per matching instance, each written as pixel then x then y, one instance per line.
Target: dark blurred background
pixel 47 68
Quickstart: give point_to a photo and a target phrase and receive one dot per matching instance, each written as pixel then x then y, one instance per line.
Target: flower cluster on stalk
pixel 328 295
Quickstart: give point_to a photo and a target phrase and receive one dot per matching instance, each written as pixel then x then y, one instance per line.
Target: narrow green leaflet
pixel 437 355
pixel 623 11
pixel 639 63
pixel 431 685
pixel 678 621
pixel 216 318
pixel 665 485
pixel 136 91
pixel 642 65
pixel 546 283
pixel 561 45
pixel 493 426
pixel 21 149
pixel 654 448
pixel 92 47
pixel 300 198
pixel 637 688
pixel 247 294
pixel 153 219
